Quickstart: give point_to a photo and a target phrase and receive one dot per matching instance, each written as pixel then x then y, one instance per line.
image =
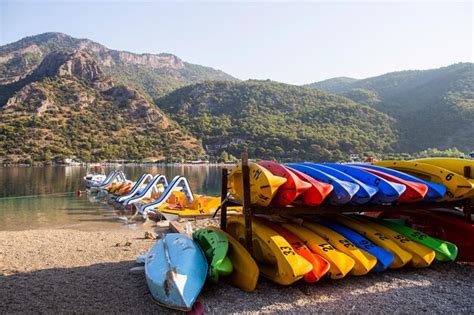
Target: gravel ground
pixel 60 270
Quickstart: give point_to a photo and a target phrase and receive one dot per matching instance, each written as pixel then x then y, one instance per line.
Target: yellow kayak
pixel 422 255
pixel 364 261
pixel 263 184
pixel 341 264
pixel 402 257
pixel 458 187
pixel 274 255
pixel 245 270
pixel 452 164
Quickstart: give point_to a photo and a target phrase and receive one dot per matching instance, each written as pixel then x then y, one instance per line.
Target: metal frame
pixel 249 210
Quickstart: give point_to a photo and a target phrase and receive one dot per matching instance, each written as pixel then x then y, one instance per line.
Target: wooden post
pixel 467 171
pixel 223 197
pixel 247 209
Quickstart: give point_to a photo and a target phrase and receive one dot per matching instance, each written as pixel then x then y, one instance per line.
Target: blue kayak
pixel 384 258
pixel 175 270
pixel 388 191
pixel 435 190
pixel 343 191
pixel 362 196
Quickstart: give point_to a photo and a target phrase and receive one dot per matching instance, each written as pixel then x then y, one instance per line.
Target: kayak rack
pixel 250 210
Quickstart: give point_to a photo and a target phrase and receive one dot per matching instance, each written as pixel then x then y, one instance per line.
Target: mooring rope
pixel 36 196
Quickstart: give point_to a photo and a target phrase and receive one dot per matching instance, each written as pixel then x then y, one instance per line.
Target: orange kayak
pixel 414 192
pixel 318 191
pixel 291 189
pixel 320 265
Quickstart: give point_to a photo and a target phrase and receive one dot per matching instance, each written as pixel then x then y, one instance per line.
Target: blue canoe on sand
pixel 343 191
pixel 388 191
pixel 175 270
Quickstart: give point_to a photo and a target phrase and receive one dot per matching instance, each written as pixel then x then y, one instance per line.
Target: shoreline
pixel 67 270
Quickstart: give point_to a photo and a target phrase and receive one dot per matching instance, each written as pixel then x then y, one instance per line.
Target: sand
pixel 63 270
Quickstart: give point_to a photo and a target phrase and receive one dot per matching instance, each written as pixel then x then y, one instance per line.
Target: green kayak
pixel 215 246
pixel 445 251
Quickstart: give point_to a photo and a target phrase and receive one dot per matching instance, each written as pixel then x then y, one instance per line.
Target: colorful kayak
pixel 343 191
pixel 454 165
pixel 458 187
pixel 435 191
pixel 320 265
pixel 318 191
pixel 175 271
pixel 422 255
pixel 364 262
pixel 388 191
pixel 291 189
pixel 402 257
pixel 384 258
pixel 363 195
pixel 414 192
pixel 340 263
pixel 263 184
pixel 445 251
pixel 215 246
pixel 245 270
pixel 274 255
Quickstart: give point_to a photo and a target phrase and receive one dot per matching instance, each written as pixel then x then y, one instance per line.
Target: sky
pixel 291 42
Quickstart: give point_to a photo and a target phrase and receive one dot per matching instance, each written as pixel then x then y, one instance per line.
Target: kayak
pixel 363 195
pixel 454 165
pixel 320 265
pixel 318 191
pixel 215 246
pixel 342 192
pixel 458 187
pixel 340 263
pixel 291 189
pixel 435 191
pixel 414 192
pixel 401 257
pixel 175 271
pixel 384 258
pixel 245 270
pixel 364 262
pixel 274 255
pixel 445 251
pixel 263 184
pixel 388 191
pixel 422 255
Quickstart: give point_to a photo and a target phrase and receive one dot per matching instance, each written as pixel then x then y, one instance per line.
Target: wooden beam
pixel 247 208
pixel 223 198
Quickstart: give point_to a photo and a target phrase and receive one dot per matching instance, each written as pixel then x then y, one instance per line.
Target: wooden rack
pixel 249 210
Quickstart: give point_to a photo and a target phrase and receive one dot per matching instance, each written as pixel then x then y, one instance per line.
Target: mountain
pixel 152 74
pixel 275 120
pixel 432 108
pixel 68 106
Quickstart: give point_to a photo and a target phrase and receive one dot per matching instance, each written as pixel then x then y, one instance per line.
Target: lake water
pixel 45 197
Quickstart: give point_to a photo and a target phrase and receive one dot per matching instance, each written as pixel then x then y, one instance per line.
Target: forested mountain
pixel 152 74
pixel 275 120
pixel 432 108
pixel 68 107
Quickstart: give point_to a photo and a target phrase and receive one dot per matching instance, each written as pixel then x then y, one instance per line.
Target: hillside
pixel 68 106
pixel 432 108
pixel 275 120
pixel 152 74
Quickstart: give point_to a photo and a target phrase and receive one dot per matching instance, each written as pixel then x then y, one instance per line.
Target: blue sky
pixel 287 42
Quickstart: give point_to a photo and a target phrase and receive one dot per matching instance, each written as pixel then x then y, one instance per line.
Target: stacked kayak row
pixel 383 182
pixel 285 251
pixel 153 196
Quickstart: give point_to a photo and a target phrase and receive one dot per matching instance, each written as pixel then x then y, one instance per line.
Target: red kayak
pixel 315 195
pixel 290 190
pixel 441 225
pixel 320 265
pixel 414 192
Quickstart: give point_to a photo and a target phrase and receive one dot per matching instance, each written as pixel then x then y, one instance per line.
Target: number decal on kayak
pixel 257 173
pixel 366 244
pixel 377 182
pixel 449 176
pixel 401 238
pixel 297 245
pixel 287 250
pixel 262 197
pixel 449 194
pixel 419 235
pixel 381 236
pixel 346 243
pixel 326 247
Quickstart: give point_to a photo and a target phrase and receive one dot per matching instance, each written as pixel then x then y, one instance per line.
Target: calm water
pixel 44 197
